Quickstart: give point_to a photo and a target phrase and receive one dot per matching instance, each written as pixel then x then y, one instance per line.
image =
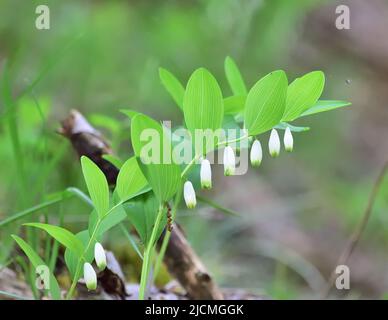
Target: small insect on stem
pixel 169 217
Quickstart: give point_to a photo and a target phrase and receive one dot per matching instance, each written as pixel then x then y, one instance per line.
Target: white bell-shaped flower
pixel 288 140
pixel 256 153
pixel 189 195
pixel 229 161
pixel 206 174
pixel 99 256
pixel 274 143
pixel 90 276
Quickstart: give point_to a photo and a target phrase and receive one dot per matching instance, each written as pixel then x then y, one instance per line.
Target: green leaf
pixel 111 220
pixel 161 172
pixel 235 80
pixel 97 185
pixel 203 105
pixel 265 103
pixel 173 86
pixel 325 105
pixel 63 236
pixel 51 200
pixel 116 161
pixel 303 93
pixel 71 259
pixel 142 214
pixel 284 125
pixel 234 104
pixel 36 261
pixel 130 179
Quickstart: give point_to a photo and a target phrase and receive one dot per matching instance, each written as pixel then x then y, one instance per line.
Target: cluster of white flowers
pixel 274 142
pixel 256 155
pixel 90 275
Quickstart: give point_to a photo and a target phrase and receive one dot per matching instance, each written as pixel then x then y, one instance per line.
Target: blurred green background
pixel 297 211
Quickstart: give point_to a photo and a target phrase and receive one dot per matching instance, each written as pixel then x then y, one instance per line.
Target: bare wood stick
pixel 180 258
pixel 356 236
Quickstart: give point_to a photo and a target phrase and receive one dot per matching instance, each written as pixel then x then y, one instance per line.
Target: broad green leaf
pixel 325 105
pixel 112 219
pixel 97 185
pixel 203 105
pixel 173 86
pixel 142 213
pixel 71 259
pixel 303 93
pixel 116 161
pixel 235 80
pixel 284 125
pixel 265 103
pixel 153 150
pixel 234 104
pixel 36 261
pixel 130 179
pixel 164 179
pixel 63 236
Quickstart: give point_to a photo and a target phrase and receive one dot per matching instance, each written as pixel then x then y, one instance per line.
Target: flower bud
pixel 274 143
pixel 229 161
pixel 90 276
pixel 288 140
pixel 206 174
pixel 99 256
pixel 256 153
pixel 189 195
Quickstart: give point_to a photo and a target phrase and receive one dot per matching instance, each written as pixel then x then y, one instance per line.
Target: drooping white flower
pixel 90 276
pixel 274 143
pixel 256 153
pixel 229 161
pixel 189 195
pixel 206 174
pixel 288 140
pixel 99 256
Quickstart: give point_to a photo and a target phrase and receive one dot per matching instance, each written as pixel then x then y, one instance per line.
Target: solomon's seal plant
pixel 167 165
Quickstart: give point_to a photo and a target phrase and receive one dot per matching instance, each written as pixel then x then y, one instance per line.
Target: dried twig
pixel 356 236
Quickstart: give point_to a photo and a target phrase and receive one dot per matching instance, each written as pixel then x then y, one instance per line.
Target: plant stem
pixel 82 258
pixel 167 234
pixel 191 163
pixel 217 206
pixel 131 240
pixel 148 254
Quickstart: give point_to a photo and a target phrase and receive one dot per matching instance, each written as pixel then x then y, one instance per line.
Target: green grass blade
pixel 25 213
pixel 37 261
